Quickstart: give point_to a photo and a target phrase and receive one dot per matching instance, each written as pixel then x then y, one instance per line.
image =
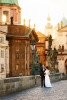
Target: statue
pixel 11 20
pixel 55 54
pixel 52 57
pixel 36 67
pixel 50 41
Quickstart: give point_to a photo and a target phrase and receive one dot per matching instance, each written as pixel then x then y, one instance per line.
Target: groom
pixel 42 70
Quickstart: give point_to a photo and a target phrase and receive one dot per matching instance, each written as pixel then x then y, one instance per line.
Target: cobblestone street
pixel 57 92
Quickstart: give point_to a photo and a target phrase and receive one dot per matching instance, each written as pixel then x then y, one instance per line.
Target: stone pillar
pixel 28 61
pixel 0 15
pixel 19 16
pixel 13 15
pixel 25 59
pixel 7 61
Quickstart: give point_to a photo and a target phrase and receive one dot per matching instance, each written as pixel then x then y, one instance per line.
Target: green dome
pixel 9 2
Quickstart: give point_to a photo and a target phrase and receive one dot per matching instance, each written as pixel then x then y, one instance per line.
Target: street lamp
pixel 32 45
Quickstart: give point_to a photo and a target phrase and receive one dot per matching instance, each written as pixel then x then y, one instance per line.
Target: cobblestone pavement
pixel 57 92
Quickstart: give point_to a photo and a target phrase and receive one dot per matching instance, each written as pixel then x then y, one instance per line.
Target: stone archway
pixel 66 65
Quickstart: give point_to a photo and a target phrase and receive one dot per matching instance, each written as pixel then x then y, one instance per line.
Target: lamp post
pixel 32 45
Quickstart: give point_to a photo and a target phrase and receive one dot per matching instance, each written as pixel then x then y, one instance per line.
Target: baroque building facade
pixel 60 43
pixel 8 9
pixel 20 54
pixel 4 55
pixel 19 37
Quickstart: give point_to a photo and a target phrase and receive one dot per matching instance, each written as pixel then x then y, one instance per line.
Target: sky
pixel 37 11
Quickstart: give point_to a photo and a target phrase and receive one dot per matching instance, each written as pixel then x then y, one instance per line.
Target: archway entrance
pixel 66 65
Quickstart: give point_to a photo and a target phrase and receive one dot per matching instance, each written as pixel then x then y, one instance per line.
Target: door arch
pixel 66 65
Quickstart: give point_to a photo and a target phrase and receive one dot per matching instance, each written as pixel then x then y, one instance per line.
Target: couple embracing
pixel 44 74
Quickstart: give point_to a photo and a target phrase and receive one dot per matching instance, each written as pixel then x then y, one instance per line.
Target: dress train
pixel 47 79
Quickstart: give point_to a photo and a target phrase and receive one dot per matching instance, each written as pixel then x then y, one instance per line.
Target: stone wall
pixel 15 84
pixel 53 78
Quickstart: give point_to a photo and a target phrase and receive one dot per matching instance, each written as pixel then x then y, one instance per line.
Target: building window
pixel 2 68
pixel 6 13
pixel 2 53
pixel 2 39
pixel 17 67
pixel 17 56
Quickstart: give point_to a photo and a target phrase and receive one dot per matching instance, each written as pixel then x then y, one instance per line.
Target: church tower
pixel 48 27
pixel 9 9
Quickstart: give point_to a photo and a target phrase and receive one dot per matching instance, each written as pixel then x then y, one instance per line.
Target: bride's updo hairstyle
pixel 47 67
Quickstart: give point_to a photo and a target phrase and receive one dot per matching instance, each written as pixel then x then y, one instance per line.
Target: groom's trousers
pixel 42 81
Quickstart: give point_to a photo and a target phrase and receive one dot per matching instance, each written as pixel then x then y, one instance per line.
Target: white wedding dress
pixel 47 79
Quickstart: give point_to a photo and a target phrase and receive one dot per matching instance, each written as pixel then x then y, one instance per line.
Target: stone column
pixel 13 15
pixel 0 16
pixel 25 59
pixel 28 61
pixel 19 16
pixel 8 60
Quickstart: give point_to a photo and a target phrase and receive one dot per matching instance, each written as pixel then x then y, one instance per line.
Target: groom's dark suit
pixel 42 70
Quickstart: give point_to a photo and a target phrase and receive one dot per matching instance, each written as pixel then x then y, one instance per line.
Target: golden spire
pixel 34 26
pixel 29 23
pixel 48 18
pixel 61 24
pixel 58 26
pixel 24 22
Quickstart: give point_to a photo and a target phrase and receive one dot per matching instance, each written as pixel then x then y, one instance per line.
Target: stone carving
pixel 52 57
pixel 49 41
pixel 36 67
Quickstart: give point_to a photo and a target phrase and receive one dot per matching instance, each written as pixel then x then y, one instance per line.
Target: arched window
pixel 6 13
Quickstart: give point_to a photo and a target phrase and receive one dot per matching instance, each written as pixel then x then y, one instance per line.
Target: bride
pixel 47 79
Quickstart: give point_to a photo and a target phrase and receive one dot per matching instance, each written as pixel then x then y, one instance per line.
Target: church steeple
pixel 48 27
pixel 48 22
pixel 48 18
